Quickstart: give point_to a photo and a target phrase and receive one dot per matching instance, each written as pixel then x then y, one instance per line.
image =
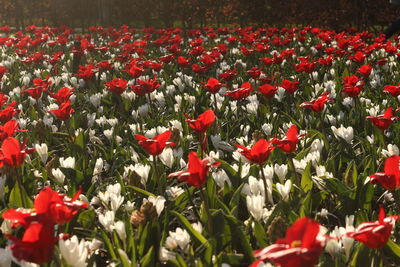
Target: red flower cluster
pixel 50 208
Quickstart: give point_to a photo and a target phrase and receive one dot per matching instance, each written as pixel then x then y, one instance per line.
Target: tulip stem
pixel 207 208
pixel 216 104
pixel 291 163
pixel 265 184
pixel 158 180
pixel 192 202
pixel 21 188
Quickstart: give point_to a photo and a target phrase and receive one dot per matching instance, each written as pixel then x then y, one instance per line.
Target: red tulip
pixel 117 85
pixel 390 178
pixel 197 171
pixel 12 153
pixel 9 129
pixel 318 104
pixel 289 143
pixel 259 153
pixel 301 246
pixel 146 86
pixel 267 90
pixel 37 243
pixel 7 113
pixel 35 93
pixel 86 72
pixel 365 70
pixel 352 85
pixel 203 121
pixel 213 85
pixel 228 75
pixel 242 92
pixel 62 95
pixel 64 111
pixel 383 122
pixel 375 234
pixel 290 86
pixel 392 89
pixel 156 145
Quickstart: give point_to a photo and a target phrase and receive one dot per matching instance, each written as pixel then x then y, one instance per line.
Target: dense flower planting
pixel 214 147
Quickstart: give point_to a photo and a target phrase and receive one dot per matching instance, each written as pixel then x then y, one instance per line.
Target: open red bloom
pixel 259 153
pixel 86 72
pixel 290 86
pixel 197 171
pixel 203 121
pixel 352 85
pixel 62 95
pixel 390 178
pixel 213 85
pixel 9 129
pixel 12 153
pixel 392 89
pixel 117 85
pixel 135 71
pixel 267 90
pixel 301 246
pixel 146 86
pixel 365 70
pixel 228 75
pixel 156 145
pixel 35 93
pixel 38 241
pixel 7 113
pixel 64 111
pixel 289 143
pixel 318 104
pixel 375 234
pixel 383 122
pixel 242 92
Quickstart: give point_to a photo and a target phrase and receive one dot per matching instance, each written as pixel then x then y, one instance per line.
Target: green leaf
pixel 140 191
pixel 87 218
pixel 19 197
pixel 306 181
pixel 148 259
pixel 392 249
pixel 260 234
pixel 244 240
pixel 109 246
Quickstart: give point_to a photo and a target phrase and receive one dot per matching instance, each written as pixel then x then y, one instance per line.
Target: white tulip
pixel 255 205
pixel 67 163
pixel 180 238
pixel 281 171
pixel 73 251
pixel 58 175
pixel 284 190
pixel 167 157
pixel 119 227
pixel 346 133
pixel 107 220
pixel 42 150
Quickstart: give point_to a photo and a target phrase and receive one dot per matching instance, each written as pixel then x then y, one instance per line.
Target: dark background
pixel 336 14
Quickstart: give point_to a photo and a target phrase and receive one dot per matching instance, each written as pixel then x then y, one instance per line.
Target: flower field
pixel 214 147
